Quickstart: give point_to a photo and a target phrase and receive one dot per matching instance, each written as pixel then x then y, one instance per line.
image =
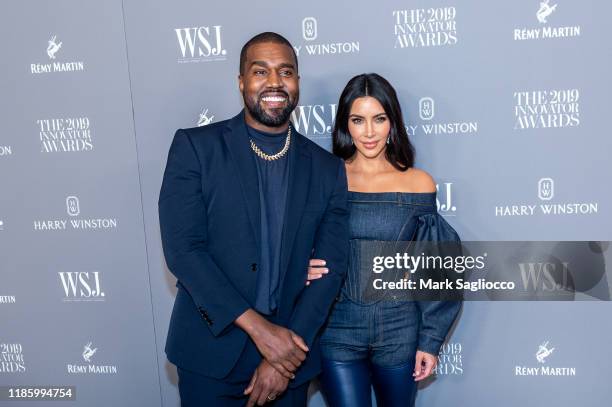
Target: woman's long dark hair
pixel 400 152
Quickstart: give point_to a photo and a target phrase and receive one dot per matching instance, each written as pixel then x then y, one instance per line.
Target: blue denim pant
pixel 385 333
pixel 370 344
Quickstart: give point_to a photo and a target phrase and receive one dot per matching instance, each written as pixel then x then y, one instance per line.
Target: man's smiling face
pixel 269 85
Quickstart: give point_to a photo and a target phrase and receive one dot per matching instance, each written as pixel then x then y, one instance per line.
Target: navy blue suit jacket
pixel 209 213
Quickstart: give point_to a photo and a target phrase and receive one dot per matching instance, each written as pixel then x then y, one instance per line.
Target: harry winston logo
pixel 426 108
pixel 544 11
pixel 546 189
pixel 310 32
pixel 309 28
pixel 72 206
pixel 543 352
pixel 428 112
pixel 546 192
pixel 73 209
pixel 53 47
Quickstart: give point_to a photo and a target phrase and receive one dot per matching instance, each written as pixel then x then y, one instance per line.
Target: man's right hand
pixel 281 347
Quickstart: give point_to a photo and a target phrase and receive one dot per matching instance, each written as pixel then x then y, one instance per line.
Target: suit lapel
pixel 243 159
pixel 300 162
pixel 297 195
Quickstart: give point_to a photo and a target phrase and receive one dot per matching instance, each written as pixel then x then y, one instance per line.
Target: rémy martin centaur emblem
pixel 53 47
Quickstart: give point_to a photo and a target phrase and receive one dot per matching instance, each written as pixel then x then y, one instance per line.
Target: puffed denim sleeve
pixel 436 316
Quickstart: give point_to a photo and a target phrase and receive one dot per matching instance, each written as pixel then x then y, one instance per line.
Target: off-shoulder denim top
pixel 399 216
pixel 389 216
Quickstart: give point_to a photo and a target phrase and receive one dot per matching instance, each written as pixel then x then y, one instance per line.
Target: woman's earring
pixel 388 139
pixel 352 141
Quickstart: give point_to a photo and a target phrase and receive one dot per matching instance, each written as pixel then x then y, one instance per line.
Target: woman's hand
pixel 425 364
pixel 316 270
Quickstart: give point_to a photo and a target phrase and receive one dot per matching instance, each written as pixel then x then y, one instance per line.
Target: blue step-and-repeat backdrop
pixel 507 103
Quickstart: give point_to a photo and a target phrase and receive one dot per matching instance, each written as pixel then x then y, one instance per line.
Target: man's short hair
pixel 267 36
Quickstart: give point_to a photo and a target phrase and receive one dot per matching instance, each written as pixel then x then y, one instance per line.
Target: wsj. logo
pixel 204 119
pixel 426 108
pixel 81 286
pixel 314 121
pixel 198 44
pixel 72 206
pixel 88 352
pixel 543 352
pixel 447 208
pixel 544 11
pixel 53 47
pixel 546 277
pixel 546 189
pixel 309 28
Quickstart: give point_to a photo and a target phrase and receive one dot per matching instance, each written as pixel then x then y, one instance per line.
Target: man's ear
pixel 240 83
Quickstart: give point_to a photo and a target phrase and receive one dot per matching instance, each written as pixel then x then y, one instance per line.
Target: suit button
pixel 203 312
pixel 205 316
pixel 254 267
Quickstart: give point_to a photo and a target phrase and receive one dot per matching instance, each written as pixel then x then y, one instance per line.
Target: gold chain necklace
pixel 272 157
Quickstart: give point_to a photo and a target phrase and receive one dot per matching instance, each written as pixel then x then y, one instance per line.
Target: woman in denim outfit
pixel 387 343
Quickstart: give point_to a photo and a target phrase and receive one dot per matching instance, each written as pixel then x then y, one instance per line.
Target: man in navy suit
pixel 245 203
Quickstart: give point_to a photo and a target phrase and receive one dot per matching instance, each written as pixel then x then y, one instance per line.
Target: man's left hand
pixel 266 385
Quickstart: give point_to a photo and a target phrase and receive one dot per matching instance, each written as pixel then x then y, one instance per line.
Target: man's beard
pixel 280 117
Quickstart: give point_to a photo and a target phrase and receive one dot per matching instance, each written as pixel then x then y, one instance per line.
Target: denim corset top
pixel 391 217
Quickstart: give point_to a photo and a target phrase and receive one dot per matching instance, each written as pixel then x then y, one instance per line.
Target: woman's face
pixel 369 126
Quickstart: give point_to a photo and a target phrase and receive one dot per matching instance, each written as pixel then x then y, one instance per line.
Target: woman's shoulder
pixel 417 180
